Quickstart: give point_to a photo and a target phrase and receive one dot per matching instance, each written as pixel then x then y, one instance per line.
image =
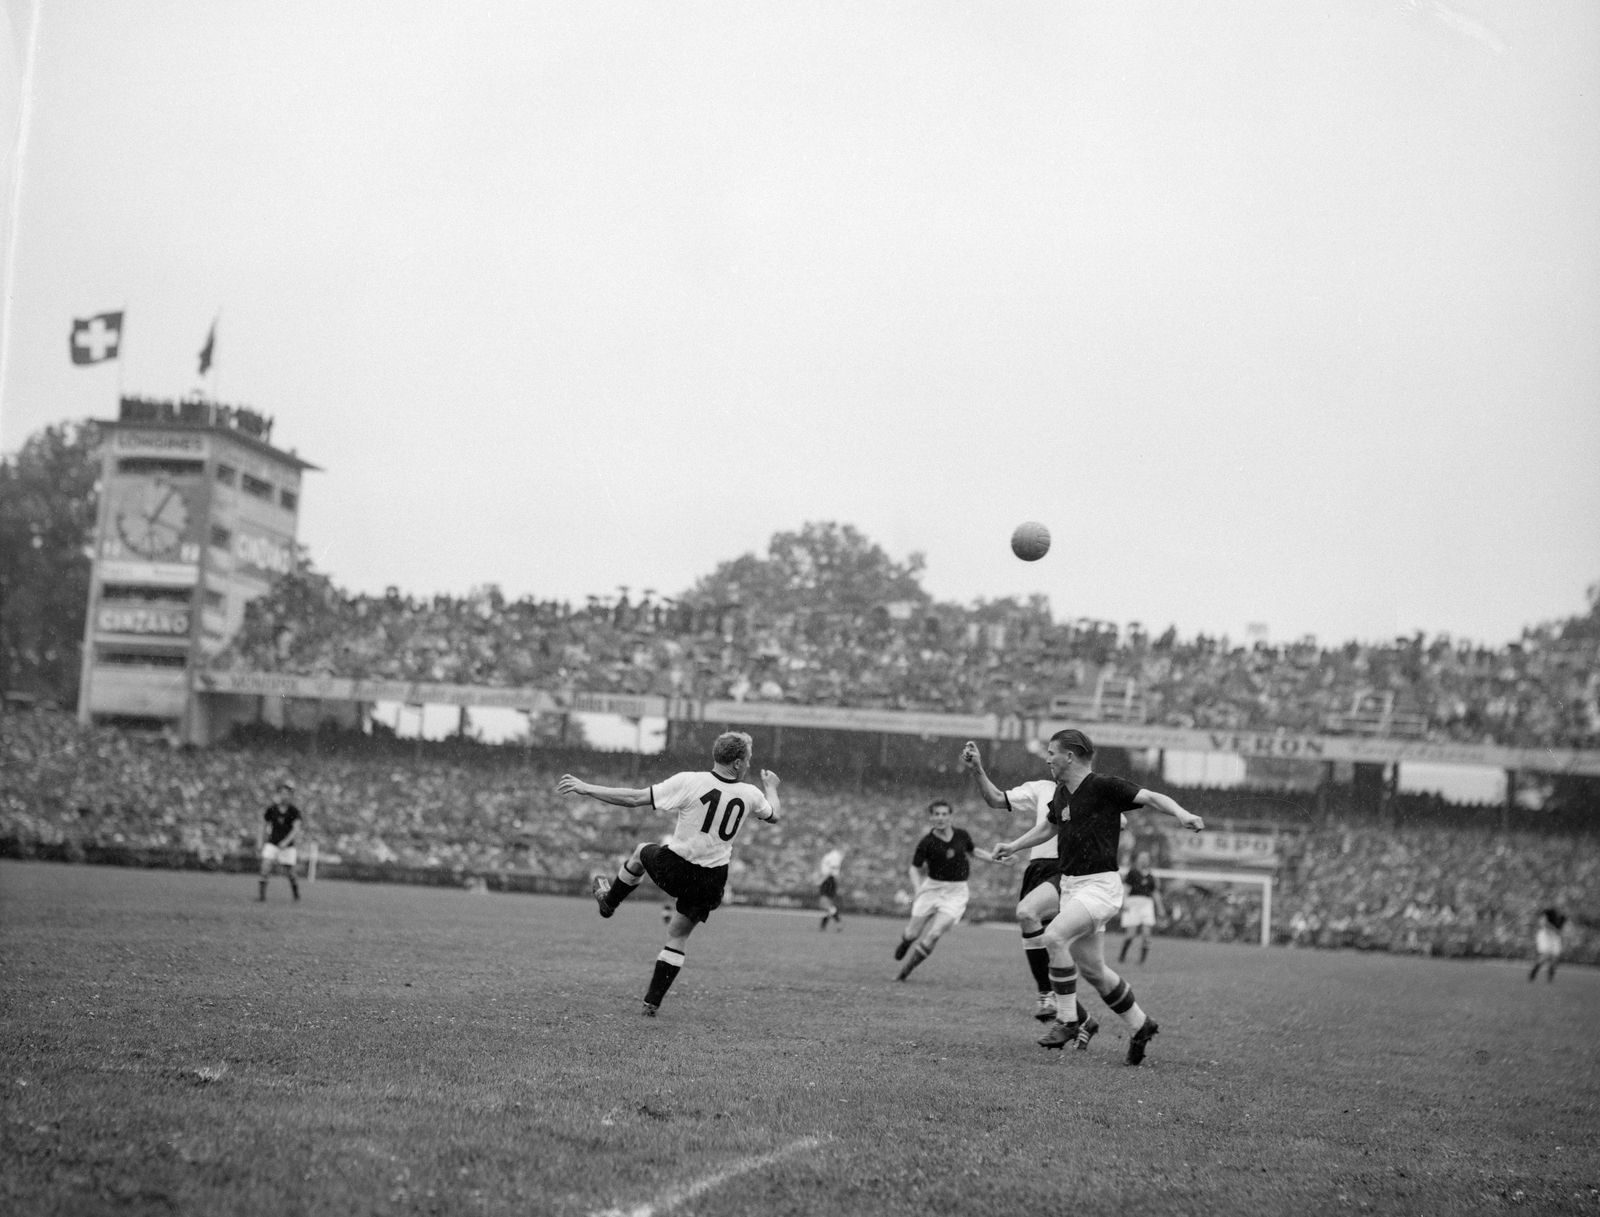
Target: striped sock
pixel 918 954
pixel 626 883
pixel 1120 998
pixel 1038 958
pixel 668 964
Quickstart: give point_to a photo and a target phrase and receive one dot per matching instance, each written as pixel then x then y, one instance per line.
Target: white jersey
pixel 831 862
pixel 711 811
pixel 1034 797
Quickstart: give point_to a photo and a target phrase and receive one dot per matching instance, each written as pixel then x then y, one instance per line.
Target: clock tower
pixel 197 516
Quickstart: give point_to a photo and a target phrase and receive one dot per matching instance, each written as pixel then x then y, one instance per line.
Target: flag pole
pixel 122 341
pixel 14 214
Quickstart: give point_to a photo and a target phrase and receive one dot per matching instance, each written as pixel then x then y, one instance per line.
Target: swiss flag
pixel 96 339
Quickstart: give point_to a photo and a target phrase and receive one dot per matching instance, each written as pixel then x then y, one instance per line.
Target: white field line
pixel 673 1197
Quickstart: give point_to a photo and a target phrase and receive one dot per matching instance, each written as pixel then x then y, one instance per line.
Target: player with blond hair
pixel 692 864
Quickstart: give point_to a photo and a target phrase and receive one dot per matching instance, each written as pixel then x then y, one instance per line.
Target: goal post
pixel 1264 882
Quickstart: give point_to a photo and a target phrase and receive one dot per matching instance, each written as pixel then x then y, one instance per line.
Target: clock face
pixel 151 519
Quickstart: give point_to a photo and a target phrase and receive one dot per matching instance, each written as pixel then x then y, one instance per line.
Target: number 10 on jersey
pixel 730 820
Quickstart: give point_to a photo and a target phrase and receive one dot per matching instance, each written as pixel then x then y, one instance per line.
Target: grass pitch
pixel 173 1046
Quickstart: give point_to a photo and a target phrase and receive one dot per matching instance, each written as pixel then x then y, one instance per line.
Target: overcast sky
pixel 1271 312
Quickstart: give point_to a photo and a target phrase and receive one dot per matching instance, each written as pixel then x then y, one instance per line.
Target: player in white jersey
pixel 691 865
pixel 1547 943
pixel 1038 900
pixel 828 887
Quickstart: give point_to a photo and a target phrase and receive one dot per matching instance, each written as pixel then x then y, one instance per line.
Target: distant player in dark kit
pixel 1140 907
pixel 277 837
pixel 939 871
pixel 828 887
pixel 692 864
pixel 1086 813
pixel 1547 943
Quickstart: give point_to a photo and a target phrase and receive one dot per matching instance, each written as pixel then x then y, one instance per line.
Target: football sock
pixel 1120 998
pixel 263 894
pixel 918 954
pixel 1126 943
pixel 1144 950
pixel 1038 959
pixel 624 887
pixel 668 964
pixel 1064 981
pixel 294 887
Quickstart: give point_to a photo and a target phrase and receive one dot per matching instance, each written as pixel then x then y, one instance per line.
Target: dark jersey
pixel 280 822
pixel 1090 823
pixel 1141 882
pixel 946 860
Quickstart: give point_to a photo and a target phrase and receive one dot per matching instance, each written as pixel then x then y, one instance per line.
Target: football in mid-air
pixel 1031 541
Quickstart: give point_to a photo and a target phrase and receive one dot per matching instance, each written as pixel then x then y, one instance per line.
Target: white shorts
pixel 1547 942
pixel 1101 894
pixel 937 896
pixel 279 855
pixel 1138 910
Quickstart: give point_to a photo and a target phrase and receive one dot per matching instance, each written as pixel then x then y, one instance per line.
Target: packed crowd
pixel 1432 890
pixel 912 653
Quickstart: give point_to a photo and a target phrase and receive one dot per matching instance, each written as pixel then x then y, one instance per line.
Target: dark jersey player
pixel 939 870
pixel 710 807
pixel 1140 907
pixel 277 838
pixel 1038 901
pixel 1086 814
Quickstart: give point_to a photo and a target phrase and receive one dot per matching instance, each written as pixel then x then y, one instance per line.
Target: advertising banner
pixel 259 554
pixel 1252 849
pixel 165 620
pixel 181 445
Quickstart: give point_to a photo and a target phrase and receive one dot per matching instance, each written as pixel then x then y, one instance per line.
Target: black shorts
pixel 1040 870
pixel 828 888
pixel 698 888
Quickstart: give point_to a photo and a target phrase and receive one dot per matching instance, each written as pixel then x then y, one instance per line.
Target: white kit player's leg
pixel 629 875
pixel 1035 910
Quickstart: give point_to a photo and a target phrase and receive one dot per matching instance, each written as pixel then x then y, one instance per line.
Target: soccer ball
pixel 1031 541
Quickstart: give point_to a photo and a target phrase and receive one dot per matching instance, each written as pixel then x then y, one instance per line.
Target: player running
pixel 1086 813
pixel 1547 943
pixel 277 837
pixel 939 869
pixel 1140 907
pixel 692 864
pixel 828 887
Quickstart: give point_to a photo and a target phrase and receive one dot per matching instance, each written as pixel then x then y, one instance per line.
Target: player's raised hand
pixel 569 785
pixel 970 757
pixel 769 779
pixel 1001 851
pixel 1194 823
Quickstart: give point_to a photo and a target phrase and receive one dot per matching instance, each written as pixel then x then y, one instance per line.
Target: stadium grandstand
pixel 206 626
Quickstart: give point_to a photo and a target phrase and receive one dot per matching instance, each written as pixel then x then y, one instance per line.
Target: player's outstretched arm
pixel 1161 802
pixel 972 758
pixel 770 780
pixel 988 855
pixel 617 796
pixel 1037 835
